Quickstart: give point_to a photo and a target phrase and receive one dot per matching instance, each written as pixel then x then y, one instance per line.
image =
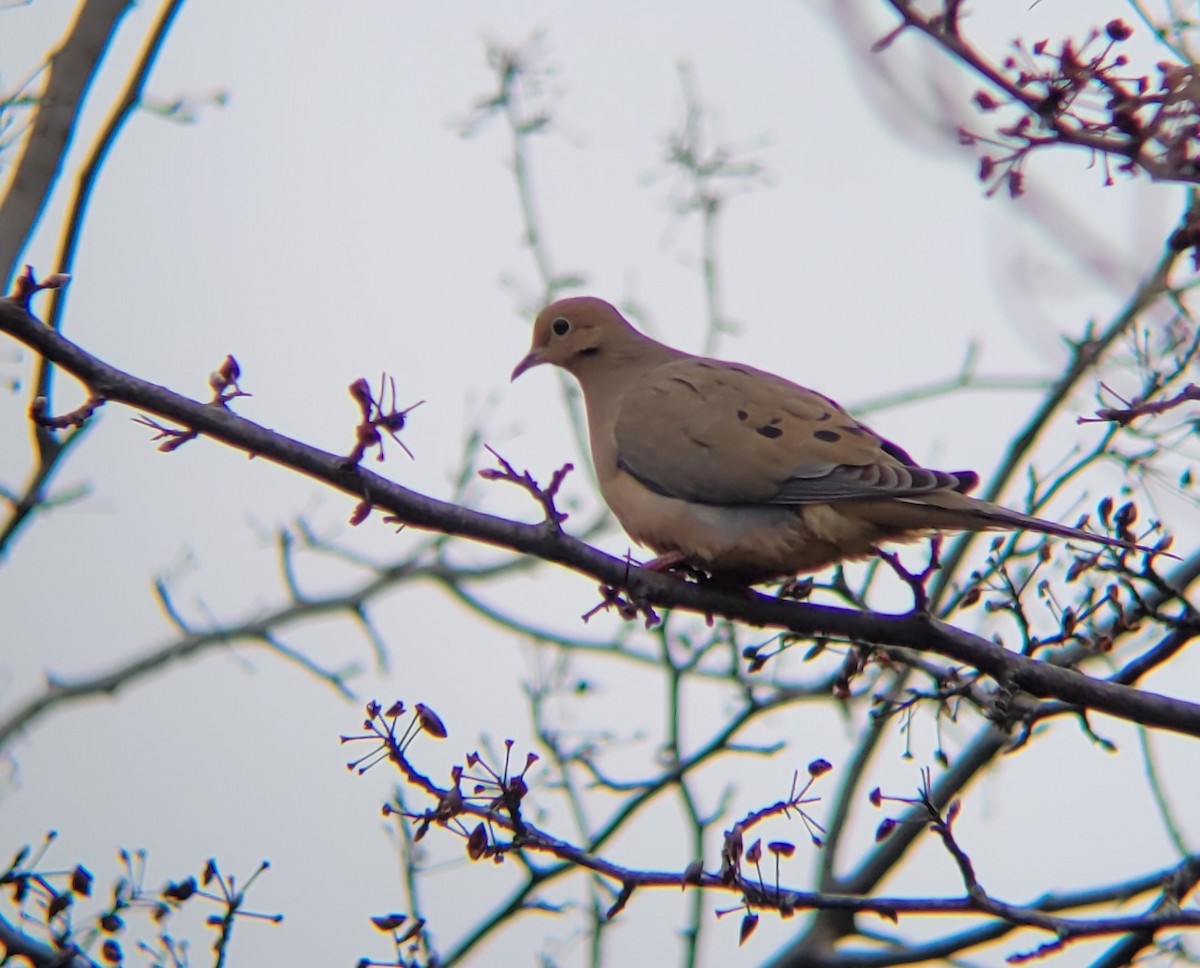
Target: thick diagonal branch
pixel 915 631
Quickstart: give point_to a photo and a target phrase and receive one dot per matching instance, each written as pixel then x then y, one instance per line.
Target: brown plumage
pixel 742 473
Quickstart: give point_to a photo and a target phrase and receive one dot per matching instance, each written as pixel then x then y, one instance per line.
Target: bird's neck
pixel 604 378
pixel 618 366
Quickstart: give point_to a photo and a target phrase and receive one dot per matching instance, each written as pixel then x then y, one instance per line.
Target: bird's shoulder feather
pixel 722 433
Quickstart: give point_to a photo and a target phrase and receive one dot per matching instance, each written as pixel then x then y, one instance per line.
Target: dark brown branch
pixel 1141 408
pixel 1130 142
pixel 955 944
pixel 916 631
pixel 498 812
pixel 543 495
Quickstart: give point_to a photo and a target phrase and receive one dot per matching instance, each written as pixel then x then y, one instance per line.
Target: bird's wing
pixel 724 434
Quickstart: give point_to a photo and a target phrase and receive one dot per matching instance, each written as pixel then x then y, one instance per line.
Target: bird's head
pixel 572 333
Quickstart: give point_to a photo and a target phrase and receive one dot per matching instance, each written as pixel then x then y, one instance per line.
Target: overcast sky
pixel 329 223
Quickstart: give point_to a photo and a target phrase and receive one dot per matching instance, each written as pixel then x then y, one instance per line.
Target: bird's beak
pixel 530 361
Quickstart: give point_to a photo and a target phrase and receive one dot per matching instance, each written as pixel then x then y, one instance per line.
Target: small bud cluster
pixel 756 892
pixel 56 897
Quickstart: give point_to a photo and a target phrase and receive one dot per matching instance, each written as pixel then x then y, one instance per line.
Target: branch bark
pixel 546 541
pixel 72 68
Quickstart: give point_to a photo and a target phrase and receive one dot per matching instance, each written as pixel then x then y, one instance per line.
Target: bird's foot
pixel 671 561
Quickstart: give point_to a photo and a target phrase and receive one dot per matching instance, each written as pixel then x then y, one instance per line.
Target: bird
pixel 742 474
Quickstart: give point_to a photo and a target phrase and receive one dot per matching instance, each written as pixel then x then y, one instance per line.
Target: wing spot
pixel 770 431
pixel 687 383
pixel 832 436
pixel 742 415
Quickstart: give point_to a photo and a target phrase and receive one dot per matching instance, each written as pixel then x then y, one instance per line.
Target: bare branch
pixel 72 67
pixel 916 631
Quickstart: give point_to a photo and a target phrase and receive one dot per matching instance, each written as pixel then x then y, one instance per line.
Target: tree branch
pixel 72 68
pixel 916 631
pixel 39 954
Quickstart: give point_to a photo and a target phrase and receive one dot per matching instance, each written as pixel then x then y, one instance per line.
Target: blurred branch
pixel 52 448
pixel 1173 34
pixel 62 692
pixel 1086 354
pixel 710 171
pixel 40 954
pixel 33 496
pixel 93 164
pixel 523 99
pixel 1154 779
pixel 563 761
pixel 965 379
pixel 71 68
pixel 262 631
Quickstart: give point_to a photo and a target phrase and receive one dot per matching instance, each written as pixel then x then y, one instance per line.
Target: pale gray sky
pixel 330 223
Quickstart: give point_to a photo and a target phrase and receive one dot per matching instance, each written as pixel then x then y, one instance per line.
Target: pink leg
pixel 667 562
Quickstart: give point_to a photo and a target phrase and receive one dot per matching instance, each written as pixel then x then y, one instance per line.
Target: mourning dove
pixel 738 471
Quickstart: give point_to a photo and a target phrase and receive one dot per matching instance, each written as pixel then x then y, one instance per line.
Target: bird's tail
pixel 952 511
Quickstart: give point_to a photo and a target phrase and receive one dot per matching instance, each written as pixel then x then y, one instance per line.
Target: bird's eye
pixel 560 326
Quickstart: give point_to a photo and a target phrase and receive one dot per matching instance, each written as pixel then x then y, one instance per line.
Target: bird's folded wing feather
pixel 720 433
